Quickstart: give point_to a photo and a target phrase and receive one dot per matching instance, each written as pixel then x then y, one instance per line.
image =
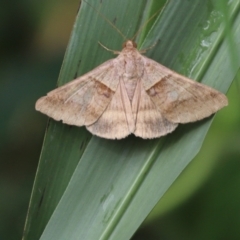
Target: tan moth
pixel 131 94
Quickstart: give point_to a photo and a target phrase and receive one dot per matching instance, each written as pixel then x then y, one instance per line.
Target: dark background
pixel 33 39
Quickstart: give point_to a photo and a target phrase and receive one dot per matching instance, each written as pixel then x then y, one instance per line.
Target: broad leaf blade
pixel 117 183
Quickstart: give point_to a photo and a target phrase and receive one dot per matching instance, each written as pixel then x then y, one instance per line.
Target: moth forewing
pixel 179 98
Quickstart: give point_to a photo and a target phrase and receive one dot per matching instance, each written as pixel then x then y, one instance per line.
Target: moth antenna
pixel 146 23
pixel 146 49
pixel 110 50
pixel 106 19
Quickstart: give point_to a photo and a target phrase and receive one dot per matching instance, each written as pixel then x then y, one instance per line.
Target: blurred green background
pixel 205 201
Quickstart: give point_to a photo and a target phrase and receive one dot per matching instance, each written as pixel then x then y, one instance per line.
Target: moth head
pixel 129 44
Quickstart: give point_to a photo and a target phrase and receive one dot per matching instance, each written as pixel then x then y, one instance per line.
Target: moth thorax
pixel 129 44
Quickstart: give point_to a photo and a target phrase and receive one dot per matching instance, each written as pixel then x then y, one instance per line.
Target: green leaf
pixel 91 188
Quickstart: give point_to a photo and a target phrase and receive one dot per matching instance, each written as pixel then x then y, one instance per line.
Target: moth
pixel 131 94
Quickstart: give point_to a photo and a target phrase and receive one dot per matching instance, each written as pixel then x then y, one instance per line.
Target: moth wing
pixel 178 98
pixel 83 100
pixel 150 123
pixel 117 121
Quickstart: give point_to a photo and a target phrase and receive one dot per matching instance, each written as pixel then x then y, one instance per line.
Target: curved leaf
pixel 92 188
